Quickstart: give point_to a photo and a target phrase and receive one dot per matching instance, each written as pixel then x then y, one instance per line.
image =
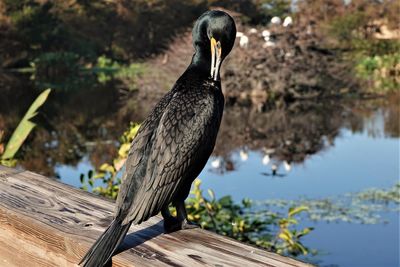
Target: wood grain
pixel 46 223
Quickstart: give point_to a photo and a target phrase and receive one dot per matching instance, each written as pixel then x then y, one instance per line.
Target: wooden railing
pixel 46 223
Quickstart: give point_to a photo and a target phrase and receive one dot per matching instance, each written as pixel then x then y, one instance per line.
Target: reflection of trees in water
pixel 15 99
pixel 377 117
pixel 392 116
pixel 289 134
pixel 286 134
pixel 85 121
pixel 90 120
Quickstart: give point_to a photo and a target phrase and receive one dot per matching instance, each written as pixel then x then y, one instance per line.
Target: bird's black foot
pixel 180 222
pixel 171 224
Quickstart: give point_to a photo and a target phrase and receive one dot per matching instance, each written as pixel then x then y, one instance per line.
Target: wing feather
pixel 138 156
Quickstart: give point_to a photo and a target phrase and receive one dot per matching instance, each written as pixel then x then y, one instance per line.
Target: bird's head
pixel 214 34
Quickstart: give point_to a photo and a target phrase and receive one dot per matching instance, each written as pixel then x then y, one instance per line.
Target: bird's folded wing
pixel 136 163
pixel 176 145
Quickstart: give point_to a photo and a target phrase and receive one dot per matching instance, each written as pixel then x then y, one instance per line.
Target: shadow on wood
pixel 46 223
pixel 139 237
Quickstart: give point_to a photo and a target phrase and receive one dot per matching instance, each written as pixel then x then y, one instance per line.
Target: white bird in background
pixel 267 38
pixel 266 33
pixel 287 21
pixel 244 155
pixel 244 40
pixel 276 20
pixel 216 163
pixel 253 31
pixel 266 159
pixel 287 166
pixel 268 44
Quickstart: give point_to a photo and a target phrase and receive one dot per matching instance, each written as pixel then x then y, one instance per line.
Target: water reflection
pixel 290 134
pixel 75 123
pixel 88 122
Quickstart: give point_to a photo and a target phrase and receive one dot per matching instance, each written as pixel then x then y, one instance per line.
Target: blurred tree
pixel 255 11
pixel 121 30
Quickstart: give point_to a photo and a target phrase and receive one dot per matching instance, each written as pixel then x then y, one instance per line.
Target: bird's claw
pixel 186 224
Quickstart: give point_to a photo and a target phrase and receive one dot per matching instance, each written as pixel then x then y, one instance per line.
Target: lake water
pixel 355 162
pixel 306 150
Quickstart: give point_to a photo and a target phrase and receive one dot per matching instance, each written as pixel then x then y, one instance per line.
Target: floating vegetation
pixel 365 207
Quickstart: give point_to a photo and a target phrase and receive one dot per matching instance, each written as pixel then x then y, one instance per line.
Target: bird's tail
pixel 101 251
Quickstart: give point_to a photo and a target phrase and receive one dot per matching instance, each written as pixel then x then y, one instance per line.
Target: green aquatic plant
pixel 22 131
pixel 289 238
pixel 382 196
pixel 270 230
pixel 363 207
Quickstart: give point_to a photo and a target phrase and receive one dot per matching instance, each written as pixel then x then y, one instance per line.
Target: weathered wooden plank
pixel 46 223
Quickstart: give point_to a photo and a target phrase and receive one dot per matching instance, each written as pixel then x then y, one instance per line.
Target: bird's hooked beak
pixel 216 52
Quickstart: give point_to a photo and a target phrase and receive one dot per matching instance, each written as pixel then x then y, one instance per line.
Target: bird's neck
pixel 201 63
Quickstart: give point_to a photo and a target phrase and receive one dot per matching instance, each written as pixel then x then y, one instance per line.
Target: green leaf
pixel 99 175
pixel 292 221
pixel 8 162
pixel 107 168
pixel 286 237
pixel 225 200
pixel 296 210
pixel 304 232
pixel 211 193
pixel 124 149
pixel 246 202
pixel 24 127
pixel 300 247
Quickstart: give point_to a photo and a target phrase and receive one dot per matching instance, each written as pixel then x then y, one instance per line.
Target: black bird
pixel 174 143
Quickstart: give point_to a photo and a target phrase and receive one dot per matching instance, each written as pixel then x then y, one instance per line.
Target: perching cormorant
pixel 174 143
